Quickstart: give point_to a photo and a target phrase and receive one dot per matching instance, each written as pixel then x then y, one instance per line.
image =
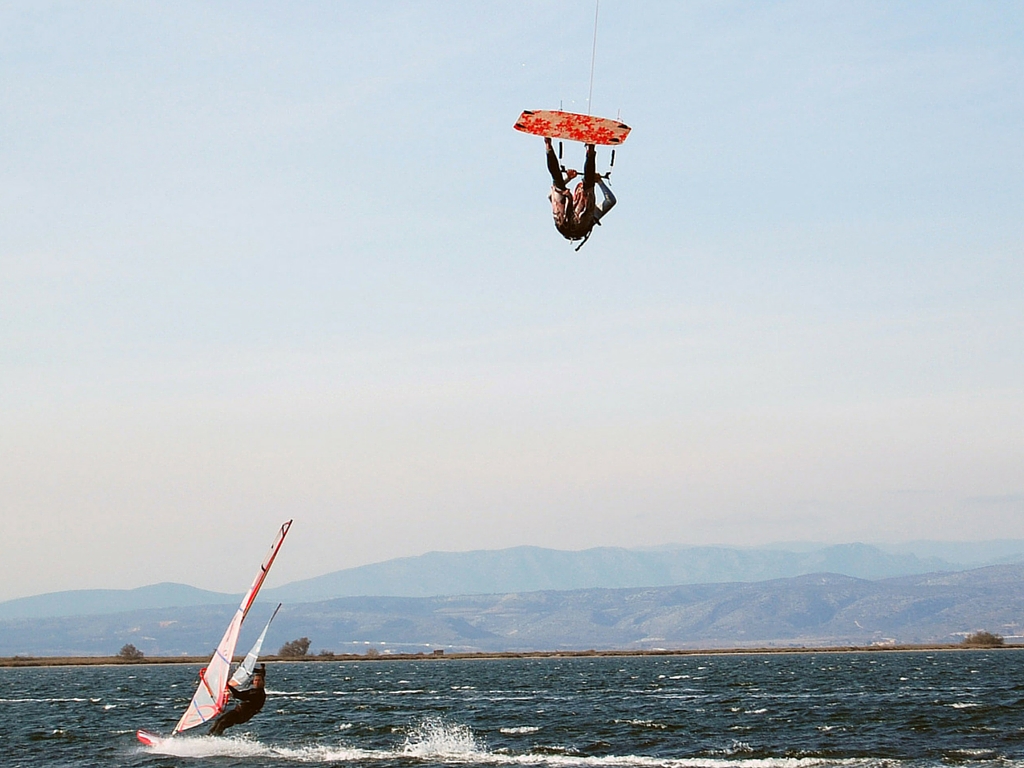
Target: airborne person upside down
pixel 577 212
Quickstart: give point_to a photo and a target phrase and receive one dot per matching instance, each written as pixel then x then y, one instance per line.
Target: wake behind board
pixel 572 126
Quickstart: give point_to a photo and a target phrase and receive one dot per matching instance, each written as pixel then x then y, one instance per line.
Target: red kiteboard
pixel 571 126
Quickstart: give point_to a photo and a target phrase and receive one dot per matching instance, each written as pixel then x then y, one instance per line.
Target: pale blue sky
pixel 271 260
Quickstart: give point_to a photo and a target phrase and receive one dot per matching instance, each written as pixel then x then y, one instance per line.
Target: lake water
pixel 753 711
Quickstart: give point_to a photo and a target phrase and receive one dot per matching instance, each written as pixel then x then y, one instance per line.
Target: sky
pixel 262 261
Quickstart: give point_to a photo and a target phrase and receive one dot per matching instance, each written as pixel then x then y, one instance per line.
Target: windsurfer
pixel 576 212
pixel 249 702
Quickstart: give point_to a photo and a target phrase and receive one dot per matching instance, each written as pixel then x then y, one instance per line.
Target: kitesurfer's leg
pixel 607 203
pixel 554 168
pixel 590 169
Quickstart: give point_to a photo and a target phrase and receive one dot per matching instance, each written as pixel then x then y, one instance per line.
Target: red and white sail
pixel 212 694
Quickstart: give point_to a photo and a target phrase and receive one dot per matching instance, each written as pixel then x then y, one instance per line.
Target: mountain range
pixel 808 610
pixel 530 569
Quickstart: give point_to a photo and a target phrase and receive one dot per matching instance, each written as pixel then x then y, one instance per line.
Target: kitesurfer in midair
pixel 249 702
pixel 577 212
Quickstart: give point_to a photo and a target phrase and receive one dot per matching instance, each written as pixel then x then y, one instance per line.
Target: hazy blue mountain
pixel 87 602
pixel 967 554
pixel 528 569
pixel 816 609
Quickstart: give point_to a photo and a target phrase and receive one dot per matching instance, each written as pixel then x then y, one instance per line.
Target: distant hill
pixel 812 610
pixel 88 602
pixel 965 554
pixel 531 569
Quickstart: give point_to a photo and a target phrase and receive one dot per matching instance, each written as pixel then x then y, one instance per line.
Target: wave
pixel 455 744
pixel 53 700
pixel 439 738
pixel 643 723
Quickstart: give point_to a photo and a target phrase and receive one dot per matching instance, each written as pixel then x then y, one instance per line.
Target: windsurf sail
pixel 243 674
pixel 212 693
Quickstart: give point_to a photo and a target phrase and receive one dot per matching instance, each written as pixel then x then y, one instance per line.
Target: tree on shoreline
pixel 983 639
pixel 129 652
pixel 294 649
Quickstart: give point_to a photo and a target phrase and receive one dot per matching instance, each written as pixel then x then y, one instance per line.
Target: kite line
pixel 593 57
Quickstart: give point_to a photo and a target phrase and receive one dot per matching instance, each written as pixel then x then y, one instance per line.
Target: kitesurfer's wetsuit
pixel 249 703
pixel 576 213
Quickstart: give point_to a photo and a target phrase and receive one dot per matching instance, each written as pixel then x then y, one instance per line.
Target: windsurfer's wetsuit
pixel 577 212
pixel 249 703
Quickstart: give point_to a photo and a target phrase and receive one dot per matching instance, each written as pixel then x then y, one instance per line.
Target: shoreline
pixel 75 661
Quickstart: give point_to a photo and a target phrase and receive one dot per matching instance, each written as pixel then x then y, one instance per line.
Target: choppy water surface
pixel 756 711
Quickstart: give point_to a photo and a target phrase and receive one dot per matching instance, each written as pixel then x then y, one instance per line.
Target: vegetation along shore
pixel 57 661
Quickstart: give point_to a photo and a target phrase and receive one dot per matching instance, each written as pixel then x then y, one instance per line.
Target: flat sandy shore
pixel 59 661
